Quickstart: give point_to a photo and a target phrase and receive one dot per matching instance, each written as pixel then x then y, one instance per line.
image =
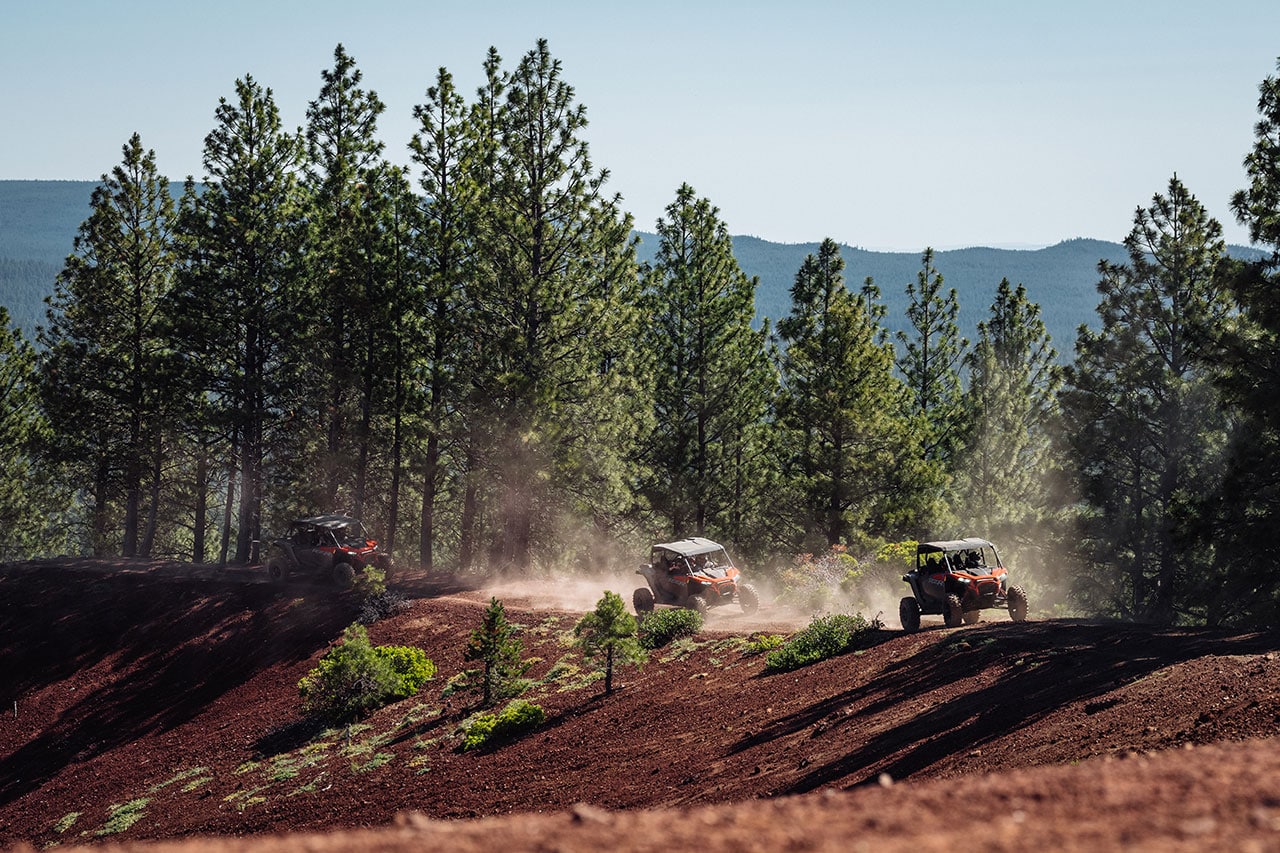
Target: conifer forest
pixel 463 350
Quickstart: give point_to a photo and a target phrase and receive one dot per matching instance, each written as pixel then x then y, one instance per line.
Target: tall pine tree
pixel 240 298
pixel 1146 425
pixel 1246 588
pixel 713 378
pixel 1005 479
pixel 554 293
pixel 841 407
pixel 109 366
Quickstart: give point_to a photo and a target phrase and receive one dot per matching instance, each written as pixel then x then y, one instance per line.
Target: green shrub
pixel 371 582
pixel 825 637
pixel 662 626
pixel 518 717
pixel 354 678
pixel 761 643
pixel 411 665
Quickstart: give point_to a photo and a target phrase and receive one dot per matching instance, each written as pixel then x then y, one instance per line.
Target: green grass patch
pixel 180 776
pixel 66 822
pixel 312 786
pixel 680 648
pixel 379 759
pixel 121 817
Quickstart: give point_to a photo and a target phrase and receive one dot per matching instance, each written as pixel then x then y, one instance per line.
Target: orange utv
pixel 957 579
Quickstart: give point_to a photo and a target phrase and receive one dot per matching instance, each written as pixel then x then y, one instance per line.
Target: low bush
pixel 758 644
pixel 824 637
pixel 411 665
pixel 354 677
pixel 486 729
pixel 662 626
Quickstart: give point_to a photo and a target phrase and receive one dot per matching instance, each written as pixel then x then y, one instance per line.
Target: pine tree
pixel 609 631
pixel 1006 471
pixel 554 293
pixel 238 297
pixel 345 176
pixel 1145 424
pixel 1240 529
pixel 109 371
pixel 933 354
pixel 496 645
pixel 713 378
pixel 26 499
pixel 841 407
pixel 445 148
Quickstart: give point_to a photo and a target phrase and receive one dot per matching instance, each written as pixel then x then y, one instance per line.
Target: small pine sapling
pixel 495 645
pixel 607 632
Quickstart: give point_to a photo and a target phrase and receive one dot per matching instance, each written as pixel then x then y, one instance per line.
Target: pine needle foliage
pixel 609 632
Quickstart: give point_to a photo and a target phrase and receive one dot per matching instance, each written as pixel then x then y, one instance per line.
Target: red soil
pixel 173 687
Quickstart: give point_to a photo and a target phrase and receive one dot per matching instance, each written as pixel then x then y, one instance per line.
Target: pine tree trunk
pixel 153 513
pixel 202 506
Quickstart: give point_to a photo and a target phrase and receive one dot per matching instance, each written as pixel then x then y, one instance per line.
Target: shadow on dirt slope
pixel 195 641
pixel 1030 671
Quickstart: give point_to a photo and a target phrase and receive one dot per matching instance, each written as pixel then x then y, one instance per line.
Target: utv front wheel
pixel 276 571
pixel 954 616
pixel 642 600
pixel 698 603
pixel 909 614
pixel 748 598
pixel 344 575
pixel 1017 604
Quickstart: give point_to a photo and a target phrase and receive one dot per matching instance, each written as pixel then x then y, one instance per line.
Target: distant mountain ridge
pixel 39 220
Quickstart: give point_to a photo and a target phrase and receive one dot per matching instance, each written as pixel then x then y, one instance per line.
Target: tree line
pixel 474 361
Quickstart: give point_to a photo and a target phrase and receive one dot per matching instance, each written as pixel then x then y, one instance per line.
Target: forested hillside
pixel 470 352
pixel 38 222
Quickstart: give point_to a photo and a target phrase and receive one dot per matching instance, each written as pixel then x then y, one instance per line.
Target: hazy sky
pixel 892 124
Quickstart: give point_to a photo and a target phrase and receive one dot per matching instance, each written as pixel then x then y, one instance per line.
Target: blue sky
pixel 882 125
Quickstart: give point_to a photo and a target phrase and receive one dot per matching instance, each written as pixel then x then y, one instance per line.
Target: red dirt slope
pixel 170 690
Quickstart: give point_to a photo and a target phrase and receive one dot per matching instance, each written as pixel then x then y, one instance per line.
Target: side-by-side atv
pixel 334 547
pixel 957 580
pixel 694 573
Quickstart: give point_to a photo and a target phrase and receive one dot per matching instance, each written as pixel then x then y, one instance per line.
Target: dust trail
pixel 574 593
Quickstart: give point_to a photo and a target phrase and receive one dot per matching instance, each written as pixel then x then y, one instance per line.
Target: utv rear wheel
pixel 698 603
pixel 748 598
pixel 909 614
pixel 344 575
pixel 1017 604
pixel 972 617
pixel 954 616
pixel 276 571
pixel 642 600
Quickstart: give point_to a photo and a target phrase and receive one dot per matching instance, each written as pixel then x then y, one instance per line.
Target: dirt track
pixel 148 685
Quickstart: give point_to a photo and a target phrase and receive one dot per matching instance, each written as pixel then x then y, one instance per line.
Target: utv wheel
pixel 698 603
pixel 276 571
pixel 909 614
pixel 642 600
pixel 972 617
pixel 344 575
pixel 954 616
pixel 1017 604
pixel 748 598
